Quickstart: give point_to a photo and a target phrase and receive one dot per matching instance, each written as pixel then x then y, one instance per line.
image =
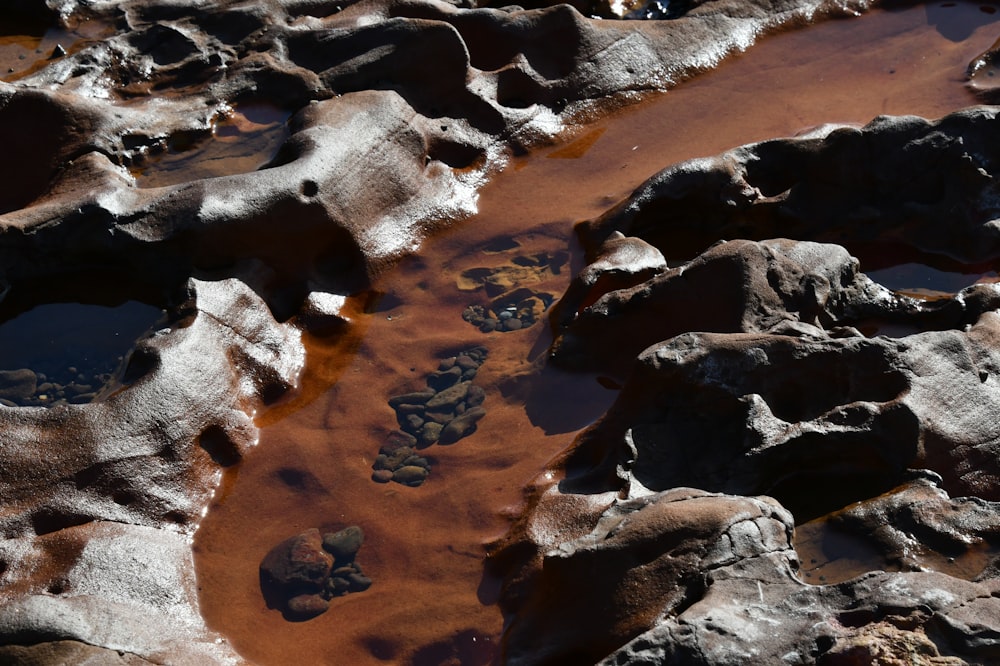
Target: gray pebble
pixel 308 605
pixel 411 422
pixel 413 398
pixel 338 586
pixel 359 582
pixel 397 439
pixel 443 379
pixel 475 396
pixel 429 433
pixel 411 475
pixel 449 397
pixel 344 545
pixel 382 476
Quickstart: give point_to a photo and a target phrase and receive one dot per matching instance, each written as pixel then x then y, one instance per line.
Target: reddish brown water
pixel 27 46
pixel 244 140
pixel 424 550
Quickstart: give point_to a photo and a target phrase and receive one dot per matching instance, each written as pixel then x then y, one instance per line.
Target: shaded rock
pixel 759 287
pixel 398 439
pixel 441 380
pixel 358 582
pixel 449 397
pixel 680 534
pixel 17 385
pixel 307 606
pixel 415 398
pixel 67 652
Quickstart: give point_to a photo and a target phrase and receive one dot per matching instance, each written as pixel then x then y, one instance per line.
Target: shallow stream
pixel 424 548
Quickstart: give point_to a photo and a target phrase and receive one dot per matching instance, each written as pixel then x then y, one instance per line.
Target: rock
pixel 449 397
pixel 410 422
pixel 298 563
pixel 307 606
pixel 475 396
pixel 414 398
pixel 461 426
pixel 382 475
pixel 398 439
pixel 441 380
pixel 17 385
pixel 429 433
pixel 344 545
pixel 440 417
pixel 411 475
pixel 358 582
pixel 337 586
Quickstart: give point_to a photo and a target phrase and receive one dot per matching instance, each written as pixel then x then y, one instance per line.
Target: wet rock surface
pixel 882 449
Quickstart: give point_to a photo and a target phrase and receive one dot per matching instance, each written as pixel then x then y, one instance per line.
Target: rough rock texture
pixel 381 150
pixel 772 388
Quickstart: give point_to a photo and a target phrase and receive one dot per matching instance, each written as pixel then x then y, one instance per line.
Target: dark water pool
pixel 66 352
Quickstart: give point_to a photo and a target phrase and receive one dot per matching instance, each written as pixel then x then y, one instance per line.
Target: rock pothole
pixel 68 353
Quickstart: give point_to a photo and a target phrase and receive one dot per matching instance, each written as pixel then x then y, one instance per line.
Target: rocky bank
pixel 248 170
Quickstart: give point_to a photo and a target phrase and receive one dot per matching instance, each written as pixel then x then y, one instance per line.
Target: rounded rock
pixel 299 561
pixel 382 475
pixel 462 426
pixel 344 545
pixel 411 475
pixel 307 606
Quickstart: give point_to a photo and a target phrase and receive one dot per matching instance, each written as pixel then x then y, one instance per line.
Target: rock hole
pixel 301 481
pixel 220 446
pixel 516 90
pixel 47 520
pixel 175 517
pixel 123 497
pixel 310 188
pixel 142 361
pixel 454 154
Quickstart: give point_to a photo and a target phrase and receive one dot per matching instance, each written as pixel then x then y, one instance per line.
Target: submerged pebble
pixel 444 413
pixel 510 312
pixel 303 573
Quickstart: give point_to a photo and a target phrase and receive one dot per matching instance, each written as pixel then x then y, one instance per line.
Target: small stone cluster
pixel 445 412
pixel 511 312
pixel 27 388
pixel 300 575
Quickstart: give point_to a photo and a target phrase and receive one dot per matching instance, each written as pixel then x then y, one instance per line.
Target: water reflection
pixel 927 282
pixel 242 141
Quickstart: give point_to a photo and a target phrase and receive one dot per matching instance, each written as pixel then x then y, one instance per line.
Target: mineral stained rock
pixel 772 402
pixel 398 110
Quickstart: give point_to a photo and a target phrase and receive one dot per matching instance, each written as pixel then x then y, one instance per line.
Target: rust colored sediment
pixel 424 546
